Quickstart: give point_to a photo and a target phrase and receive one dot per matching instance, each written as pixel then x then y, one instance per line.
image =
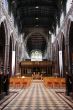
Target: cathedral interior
pixel 36 55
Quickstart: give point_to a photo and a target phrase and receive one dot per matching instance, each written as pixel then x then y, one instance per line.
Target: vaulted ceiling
pixel 44 13
pixel 37 14
pixel 36 41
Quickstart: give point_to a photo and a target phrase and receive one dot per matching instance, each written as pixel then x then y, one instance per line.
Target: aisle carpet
pixel 36 97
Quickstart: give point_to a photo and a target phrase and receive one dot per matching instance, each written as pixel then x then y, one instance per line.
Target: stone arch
pixel 71 48
pixel 4 35
pixel 3 20
pixel 69 34
pixel 36 31
pixel 68 63
pixel 2 46
pixel 3 52
pixel 30 36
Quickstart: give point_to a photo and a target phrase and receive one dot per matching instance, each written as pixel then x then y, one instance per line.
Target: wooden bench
pixel 53 82
pixel 19 82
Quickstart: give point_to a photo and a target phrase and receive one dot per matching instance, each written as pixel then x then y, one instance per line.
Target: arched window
pixel 36 55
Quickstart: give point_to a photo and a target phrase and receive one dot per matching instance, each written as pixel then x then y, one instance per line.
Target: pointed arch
pixel 71 47
pixel 2 45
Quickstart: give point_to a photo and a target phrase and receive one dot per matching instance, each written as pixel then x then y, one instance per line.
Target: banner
pixel 61 63
pixel 13 63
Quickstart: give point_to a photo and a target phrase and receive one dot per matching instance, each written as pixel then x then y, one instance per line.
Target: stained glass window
pixel 36 56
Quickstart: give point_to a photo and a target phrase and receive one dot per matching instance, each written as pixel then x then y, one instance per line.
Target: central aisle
pixel 37 97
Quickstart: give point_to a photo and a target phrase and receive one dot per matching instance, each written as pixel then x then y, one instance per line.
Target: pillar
pixel 68 68
pixel 6 60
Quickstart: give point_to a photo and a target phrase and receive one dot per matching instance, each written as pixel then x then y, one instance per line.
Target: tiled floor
pixel 37 97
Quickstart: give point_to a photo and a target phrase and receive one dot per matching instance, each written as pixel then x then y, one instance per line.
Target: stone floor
pixel 36 97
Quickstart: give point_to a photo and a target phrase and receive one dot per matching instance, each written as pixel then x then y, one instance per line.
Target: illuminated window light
pixel 36 18
pixel 37 7
pixel 36 55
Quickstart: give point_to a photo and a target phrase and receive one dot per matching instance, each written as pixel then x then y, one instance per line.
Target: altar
pixel 37 76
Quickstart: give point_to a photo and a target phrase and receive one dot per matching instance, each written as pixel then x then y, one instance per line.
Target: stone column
pixel 68 68
pixel 6 60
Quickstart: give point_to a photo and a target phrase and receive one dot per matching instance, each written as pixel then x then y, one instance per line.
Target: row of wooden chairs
pixel 20 82
pixel 53 82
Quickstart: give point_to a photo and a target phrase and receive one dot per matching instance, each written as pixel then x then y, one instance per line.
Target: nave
pixel 36 97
